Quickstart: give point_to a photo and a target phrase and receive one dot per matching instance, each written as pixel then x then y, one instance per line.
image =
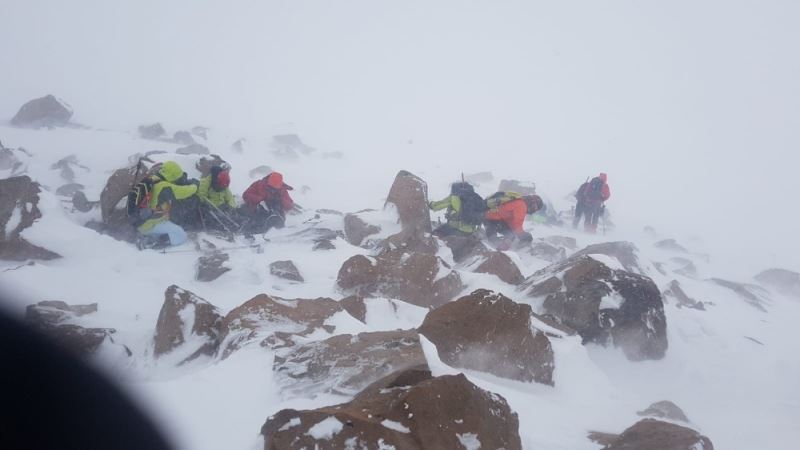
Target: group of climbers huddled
pixel 166 203
pixel 502 214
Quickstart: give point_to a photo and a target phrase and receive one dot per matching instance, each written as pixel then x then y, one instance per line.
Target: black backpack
pixel 595 189
pixel 473 206
pixel 138 205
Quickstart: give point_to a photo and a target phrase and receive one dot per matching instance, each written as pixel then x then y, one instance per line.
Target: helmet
pixel 603 177
pixel 223 179
pixel 534 203
pixel 275 180
pixel 170 171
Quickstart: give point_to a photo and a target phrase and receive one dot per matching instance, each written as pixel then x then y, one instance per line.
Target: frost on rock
pixel 469 441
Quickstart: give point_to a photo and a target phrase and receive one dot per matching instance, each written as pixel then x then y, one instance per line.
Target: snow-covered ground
pixel 741 393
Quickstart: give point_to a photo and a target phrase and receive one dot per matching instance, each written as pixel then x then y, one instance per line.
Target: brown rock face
pixel 466 247
pixel 19 197
pixel 411 277
pixel 489 332
pixel 197 336
pixel 356 230
pixel 784 281
pixel 409 194
pixel 408 410
pixel 625 252
pixel 355 306
pixel 47 111
pixel 54 319
pixel 274 321
pixel 651 434
pixel 501 266
pixel 211 267
pixel 345 364
pixel 117 187
pixel 684 301
pixel 286 270
pixel 665 409
pixel 604 305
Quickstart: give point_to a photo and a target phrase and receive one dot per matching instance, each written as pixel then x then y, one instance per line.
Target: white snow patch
pixel 469 441
pixel 326 429
pixel 14 220
pixel 396 426
pixel 612 301
pixel 290 424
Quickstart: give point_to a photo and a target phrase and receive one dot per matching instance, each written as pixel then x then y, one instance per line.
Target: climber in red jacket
pixel 591 196
pixel 266 202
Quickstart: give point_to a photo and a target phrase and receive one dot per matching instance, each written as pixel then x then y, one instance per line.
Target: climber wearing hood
pixel 216 200
pixel 266 203
pixel 158 230
pixel 591 197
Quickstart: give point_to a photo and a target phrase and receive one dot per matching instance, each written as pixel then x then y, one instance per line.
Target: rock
pixel 417 278
pixel 19 200
pixel 355 306
pixel 47 111
pixel 81 203
pixel 671 245
pixel 408 410
pixel 755 296
pixel 117 187
pixel 784 281
pixel 346 364
pixel 211 267
pixel 603 304
pixel 69 189
pixel 200 131
pixel 204 165
pixel 489 332
pixel 183 137
pixel 65 166
pixel 665 409
pixel 684 301
pixel 523 187
pixel 55 320
pixel 289 146
pixel 356 230
pixel 323 244
pixel 466 247
pixel 562 241
pixel 8 160
pixel 274 320
pixel 187 325
pixel 238 146
pixel 154 131
pixel 500 265
pixel 286 270
pixel 625 252
pixel 409 242
pixel 651 434
pixel 547 251
pixel 409 195
pixel 683 266
pixel 193 149
pixel 260 172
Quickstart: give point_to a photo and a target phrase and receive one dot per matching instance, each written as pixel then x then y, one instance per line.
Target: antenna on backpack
pixel 462 177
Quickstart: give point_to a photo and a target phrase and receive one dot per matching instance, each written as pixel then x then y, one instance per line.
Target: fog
pixel 693 108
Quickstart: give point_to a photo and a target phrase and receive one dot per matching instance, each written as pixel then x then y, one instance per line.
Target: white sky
pixel 692 107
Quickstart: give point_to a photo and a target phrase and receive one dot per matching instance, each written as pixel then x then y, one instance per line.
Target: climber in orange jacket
pixel 507 211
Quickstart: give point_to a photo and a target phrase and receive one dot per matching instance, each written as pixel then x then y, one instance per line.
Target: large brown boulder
pixel 286 270
pixel 47 111
pixel 652 434
pixel 345 364
pixel 60 322
pixel 187 325
pixel 625 252
pixel 408 410
pixel 274 321
pixel 784 281
pixel 500 265
pixel 409 195
pixel 356 229
pixel 19 200
pixel 117 187
pixel 419 278
pixel 664 409
pixel 489 332
pixel 604 305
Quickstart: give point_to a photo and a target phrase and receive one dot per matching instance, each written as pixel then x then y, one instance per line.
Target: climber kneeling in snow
pixel 266 203
pixel 154 213
pixel 591 196
pixel 465 210
pixel 216 200
pixel 506 215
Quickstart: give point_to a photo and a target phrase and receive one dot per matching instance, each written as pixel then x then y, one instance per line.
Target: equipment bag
pixel 138 205
pixel 500 198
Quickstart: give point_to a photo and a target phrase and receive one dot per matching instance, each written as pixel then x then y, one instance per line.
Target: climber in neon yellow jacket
pixel 158 227
pixel 465 210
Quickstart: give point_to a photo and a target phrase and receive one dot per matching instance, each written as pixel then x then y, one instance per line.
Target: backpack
pixel 138 205
pixel 473 206
pixel 594 190
pixel 500 198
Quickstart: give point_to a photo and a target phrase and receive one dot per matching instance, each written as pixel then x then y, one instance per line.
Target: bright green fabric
pixel 453 205
pixel 217 198
pixel 170 171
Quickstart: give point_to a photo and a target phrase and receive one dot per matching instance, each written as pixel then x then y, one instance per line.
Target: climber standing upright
pixel 591 197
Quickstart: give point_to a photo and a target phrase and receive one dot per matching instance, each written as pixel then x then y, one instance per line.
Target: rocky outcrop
pixel 409 195
pixel 154 131
pixel 419 278
pixel 274 321
pixel 286 270
pixel 345 364
pixel 355 306
pixel 604 305
pixel 19 200
pixel 81 203
pixel 289 146
pixel 651 434
pixel 183 137
pixel 193 149
pixel 58 321
pixel 466 247
pixel 671 245
pixel 188 326
pixel 356 229
pixel 625 252
pixel 210 267
pixel 489 332
pixel 784 281
pixel 408 410
pixel 547 251
pixel 664 409
pixel 675 291
pixel 47 111
pixel 500 265
pixel 754 295
pixel 117 187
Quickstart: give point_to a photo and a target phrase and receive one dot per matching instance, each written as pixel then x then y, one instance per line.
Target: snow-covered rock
pixel 652 434
pixel 500 265
pixel 409 195
pixel 356 229
pixel 188 326
pixel 286 270
pixel 47 111
pixel 664 409
pixel 783 281
pixel 19 200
